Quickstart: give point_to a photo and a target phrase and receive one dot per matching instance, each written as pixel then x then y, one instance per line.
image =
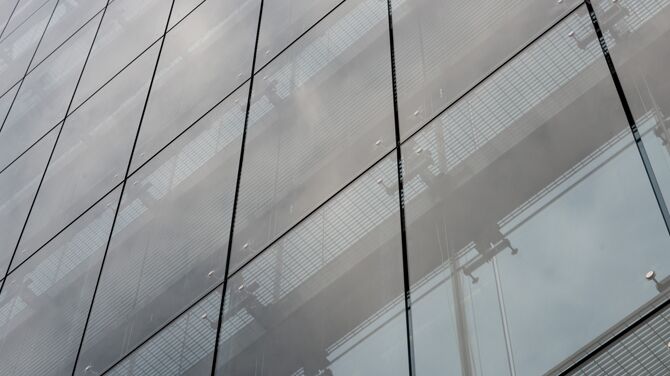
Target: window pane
pixel 44 303
pixel 638 35
pixel 43 98
pixel 91 156
pixel 443 47
pixel 26 10
pixel 325 299
pixel 6 7
pixel 171 236
pixel 204 59
pixel 321 114
pixel 129 27
pixel 17 48
pixel 18 185
pixel 181 8
pixel 529 212
pixel 284 21
pixel 68 17
pixel 185 347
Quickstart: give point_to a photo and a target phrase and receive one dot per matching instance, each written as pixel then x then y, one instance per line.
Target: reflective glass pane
pixel 529 215
pixel 321 114
pixel 284 21
pixel 325 299
pixel 67 18
pixel 18 185
pixel 6 8
pixel 171 236
pixel 638 36
pixel 44 96
pixel 44 303
pixel 25 10
pixel 17 48
pixel 443 47
pixel 6 102
pixel 185 347
pixel 181 9
pixel 129 27
pixel 92 154
pixel 204 59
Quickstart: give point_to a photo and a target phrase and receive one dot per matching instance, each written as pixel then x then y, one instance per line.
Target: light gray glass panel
pixel 18 185
pixel 529 215
pixel 321 114
pixel 67 18
pixel 25 11
pixel 284 21
pixel 92 154
pixel 44 96
pixel 17 48
pixel 6 102
pixel 444 47
pixel 6 7
pixel 129 27
pixel 171 236
pixel 181 9
pixel 185 347
pixel 325 299
pixel 44 303
pixel 204 59
pixel 637 33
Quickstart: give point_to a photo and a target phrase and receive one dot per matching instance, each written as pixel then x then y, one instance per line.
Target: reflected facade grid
pixel 334 187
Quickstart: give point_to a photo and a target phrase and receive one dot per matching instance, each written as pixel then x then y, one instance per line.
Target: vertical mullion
pixel 123 187
pixel 630 118
pixel 401 198
pixel 237 193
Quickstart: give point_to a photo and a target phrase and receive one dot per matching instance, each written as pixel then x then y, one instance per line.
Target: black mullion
pixel 219 320
pixel 401 199
pixel 123 187
pixel 658 194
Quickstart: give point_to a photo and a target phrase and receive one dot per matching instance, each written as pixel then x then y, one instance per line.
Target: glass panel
pixel 284 21
pixel 44 303
pixel 44 96
pixel 68 17
pixel 25 10
pixel 638 36
pixel 182 8
pixel 171 236
pixel 18 185
pixel 443 47
pixel 322 113
pixel 325 299
pixel 204 59
pixel 5 103
pixel 185 347
pixel 6 8
pixel 129 27
pixel 17 48
pixel 528 211
pixel 91 156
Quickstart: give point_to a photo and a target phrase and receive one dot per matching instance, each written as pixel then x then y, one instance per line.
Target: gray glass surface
pixel 326 298
pixel 638 36
pixel 529 215
pixel 185 347
pixel 25 10
pixel 17 49
pixel 44 303
pixel 42 100
pixel 6 101
pixel 171 236
pixel 321 113
pixel 129 27
pixel 18 185
pixel 6 8
pixel 284 21
pixel 444 47
pixel 91 156
pixel 182 8
pixel 204 59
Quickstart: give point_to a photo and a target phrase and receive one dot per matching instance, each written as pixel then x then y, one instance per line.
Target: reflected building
pixel 334 187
